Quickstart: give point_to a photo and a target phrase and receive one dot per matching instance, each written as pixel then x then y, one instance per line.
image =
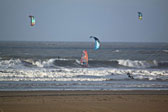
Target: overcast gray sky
pixel 76 20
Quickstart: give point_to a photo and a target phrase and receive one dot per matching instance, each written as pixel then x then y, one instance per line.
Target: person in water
pixel 129 75
pixel 84 58
pixel 85 64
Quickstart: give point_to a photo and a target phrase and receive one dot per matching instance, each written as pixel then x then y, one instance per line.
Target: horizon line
pixel 81 41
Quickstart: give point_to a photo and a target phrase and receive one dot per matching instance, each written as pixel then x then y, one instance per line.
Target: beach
pixel 84 56
pixel 84 101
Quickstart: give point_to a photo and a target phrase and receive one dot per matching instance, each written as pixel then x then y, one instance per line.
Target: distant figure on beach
pixel 129 75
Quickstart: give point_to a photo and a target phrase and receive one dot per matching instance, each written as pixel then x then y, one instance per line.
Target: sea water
pixel 56 66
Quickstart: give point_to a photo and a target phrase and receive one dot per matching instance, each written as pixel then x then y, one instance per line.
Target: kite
pixel 32 22
pixel 97 42
pixel 140 15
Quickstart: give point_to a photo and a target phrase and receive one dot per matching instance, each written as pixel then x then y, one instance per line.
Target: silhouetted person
pixel 129 75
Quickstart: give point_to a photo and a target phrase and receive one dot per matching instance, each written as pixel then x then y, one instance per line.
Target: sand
pixel 84 101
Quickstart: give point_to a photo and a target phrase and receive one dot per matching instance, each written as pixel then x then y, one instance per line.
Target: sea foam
pixel 138 64
pixel 80 74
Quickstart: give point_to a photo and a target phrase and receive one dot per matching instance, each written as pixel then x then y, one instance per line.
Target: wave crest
pixel 75 63
pixel 138 64
pixel 12 63
pixel 46 63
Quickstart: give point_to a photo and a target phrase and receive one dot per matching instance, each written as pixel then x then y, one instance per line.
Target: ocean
pixel 31 66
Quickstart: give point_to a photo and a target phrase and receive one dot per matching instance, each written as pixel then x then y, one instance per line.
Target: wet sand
pixel 84 101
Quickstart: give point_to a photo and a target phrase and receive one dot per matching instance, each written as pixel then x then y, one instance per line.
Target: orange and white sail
pixel 84 58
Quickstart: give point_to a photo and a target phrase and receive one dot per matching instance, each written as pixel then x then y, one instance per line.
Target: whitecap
pixel 138 64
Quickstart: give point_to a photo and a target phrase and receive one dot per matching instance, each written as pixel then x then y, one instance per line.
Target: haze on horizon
pixel 76 20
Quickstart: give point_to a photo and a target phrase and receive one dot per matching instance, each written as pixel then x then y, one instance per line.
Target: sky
pixel 76 20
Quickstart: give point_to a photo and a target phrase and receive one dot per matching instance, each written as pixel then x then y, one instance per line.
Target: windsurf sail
pixel 84 58
pixel 97 42
pixel 139 15
pixel 32 22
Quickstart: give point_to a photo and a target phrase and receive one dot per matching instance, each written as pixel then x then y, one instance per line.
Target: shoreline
pixel 84 101
pixel 83 92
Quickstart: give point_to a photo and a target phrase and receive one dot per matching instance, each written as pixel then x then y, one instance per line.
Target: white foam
pixel 74 74
pixel 12 63
pixel 63 59
pixel 46 63
pixel 116 51
pixel 77 61
pixel 138 64
pixel 166 51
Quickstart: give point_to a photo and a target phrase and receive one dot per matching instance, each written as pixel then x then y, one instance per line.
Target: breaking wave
pixel 138 64
pixel 75 63
pixel 59 69
pixel 11 63
pixel 166 51
pixel 46 63
pixel 80 74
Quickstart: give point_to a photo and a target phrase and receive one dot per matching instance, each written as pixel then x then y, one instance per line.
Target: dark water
pixel 108 51
pixel 56 66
